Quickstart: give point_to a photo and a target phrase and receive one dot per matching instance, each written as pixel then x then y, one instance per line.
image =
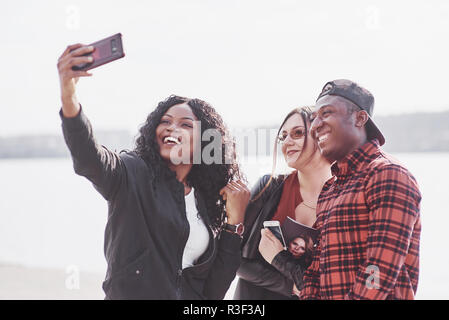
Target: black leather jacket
pixel 147 228
pixel 258 279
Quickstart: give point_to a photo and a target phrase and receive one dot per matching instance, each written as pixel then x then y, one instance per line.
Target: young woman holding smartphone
pixel 174 226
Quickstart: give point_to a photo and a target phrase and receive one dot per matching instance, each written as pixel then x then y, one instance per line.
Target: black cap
pixel 360 97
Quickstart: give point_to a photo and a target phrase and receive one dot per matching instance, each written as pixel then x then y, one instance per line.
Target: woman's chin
pixel 173 159
pixel 291 160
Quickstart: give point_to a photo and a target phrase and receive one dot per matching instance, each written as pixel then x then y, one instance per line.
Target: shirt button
pixel 137 271
pixel 179 272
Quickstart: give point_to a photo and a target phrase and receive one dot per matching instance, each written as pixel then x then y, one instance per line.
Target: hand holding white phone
pixel 270 245
pixel 275 228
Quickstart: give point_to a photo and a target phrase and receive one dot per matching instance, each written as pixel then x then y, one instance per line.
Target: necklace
pixel 310 207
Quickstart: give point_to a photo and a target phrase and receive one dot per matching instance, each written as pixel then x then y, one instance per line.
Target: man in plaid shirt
pixel 368 214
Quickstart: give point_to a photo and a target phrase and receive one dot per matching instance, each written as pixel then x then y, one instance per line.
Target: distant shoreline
pixel 407 133
pixel 68 156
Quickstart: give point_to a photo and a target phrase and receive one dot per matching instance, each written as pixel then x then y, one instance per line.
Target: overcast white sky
pixel 252 60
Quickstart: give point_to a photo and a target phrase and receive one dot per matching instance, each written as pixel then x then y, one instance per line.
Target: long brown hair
pixel 305 113
pixel 309 247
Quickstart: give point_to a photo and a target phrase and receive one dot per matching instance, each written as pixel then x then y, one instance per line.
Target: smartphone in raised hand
pixel 105 51
pixel 275 228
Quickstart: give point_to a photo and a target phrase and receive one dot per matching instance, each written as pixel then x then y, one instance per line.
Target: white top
pixel 198 237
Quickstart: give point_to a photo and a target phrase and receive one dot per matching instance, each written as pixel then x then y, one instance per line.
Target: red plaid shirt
pixel 369 222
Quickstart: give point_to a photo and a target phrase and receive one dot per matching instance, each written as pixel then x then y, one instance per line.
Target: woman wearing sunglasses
pixel 267 271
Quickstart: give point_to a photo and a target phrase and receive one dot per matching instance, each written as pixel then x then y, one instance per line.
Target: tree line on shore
pixel 418 132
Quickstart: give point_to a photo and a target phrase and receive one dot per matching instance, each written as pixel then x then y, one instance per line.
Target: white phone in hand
pixel 275 228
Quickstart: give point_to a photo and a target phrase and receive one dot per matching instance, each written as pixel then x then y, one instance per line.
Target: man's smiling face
pixel 334 127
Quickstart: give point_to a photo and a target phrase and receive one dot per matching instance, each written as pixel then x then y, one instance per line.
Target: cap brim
pixel 374 132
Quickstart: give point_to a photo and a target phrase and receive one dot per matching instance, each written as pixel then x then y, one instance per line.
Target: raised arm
pixel 68 78
pixel 101 166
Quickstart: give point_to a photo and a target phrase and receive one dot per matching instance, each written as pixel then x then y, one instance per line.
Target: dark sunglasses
pixel 295 134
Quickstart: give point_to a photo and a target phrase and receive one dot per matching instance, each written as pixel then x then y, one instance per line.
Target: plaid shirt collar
pixel 357 159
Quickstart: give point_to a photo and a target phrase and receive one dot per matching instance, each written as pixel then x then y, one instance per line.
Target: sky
pixel 252 60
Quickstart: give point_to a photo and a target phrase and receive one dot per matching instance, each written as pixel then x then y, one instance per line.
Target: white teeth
pixel 171 139
pixel 322 138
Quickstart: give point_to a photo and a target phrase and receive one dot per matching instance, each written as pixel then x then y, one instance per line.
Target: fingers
pixel 73 55
pixel 230 187
pixel 75 50
pixel 65 67
pixel 242 185
pixel 237 196
pixel 264 234
pixel 81 51
pixel 266 238
pixel 270 235
pixel 226 189
pixel 77 74
pixel 237 185
pixel 79 60
pixel 267 234
pixel 223 193
pixel 70 48
pixel 263 238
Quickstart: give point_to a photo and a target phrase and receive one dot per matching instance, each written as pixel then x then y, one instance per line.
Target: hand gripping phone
pixel 275 228
pixel 106 50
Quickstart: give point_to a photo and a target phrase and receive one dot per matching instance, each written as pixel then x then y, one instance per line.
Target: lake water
pixel 50 217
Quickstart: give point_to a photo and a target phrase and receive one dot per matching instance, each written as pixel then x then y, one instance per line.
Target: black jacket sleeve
pixel 254 269
pixel 254 207
pixel 289 267
pixel 251 237
pixel 261 274
pixel 225 266
pixel 102 167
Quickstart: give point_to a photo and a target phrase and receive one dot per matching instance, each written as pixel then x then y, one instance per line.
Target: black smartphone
pixel 106 50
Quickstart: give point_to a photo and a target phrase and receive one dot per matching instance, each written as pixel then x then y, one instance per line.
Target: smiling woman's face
pixel 175 134
pixel 293 149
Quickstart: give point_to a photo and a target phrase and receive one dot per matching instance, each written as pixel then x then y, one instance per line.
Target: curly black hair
pixel 208 179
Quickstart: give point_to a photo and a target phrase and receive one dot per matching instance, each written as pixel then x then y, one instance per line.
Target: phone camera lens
pixel 114 46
